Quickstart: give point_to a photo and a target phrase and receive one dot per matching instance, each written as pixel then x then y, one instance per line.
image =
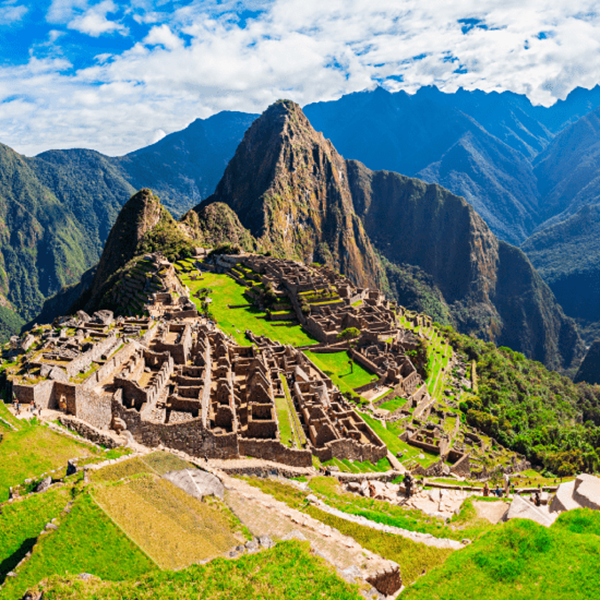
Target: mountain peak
pixel 139 215
pixel 289 188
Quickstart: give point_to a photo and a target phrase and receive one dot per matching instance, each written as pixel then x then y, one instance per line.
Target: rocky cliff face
pixel 589 371
pixel 489 286
pixel 289 188
pixel 567 256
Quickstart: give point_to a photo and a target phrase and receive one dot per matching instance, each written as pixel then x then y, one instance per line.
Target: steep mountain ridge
pixel 489 286
pixel 288 186
pixel 184 167
pixel 568 171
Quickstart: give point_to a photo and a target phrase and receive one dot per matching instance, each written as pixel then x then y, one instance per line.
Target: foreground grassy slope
pixel 287 572
pixel 21 523
pixel 34 450
pixel 520 560
pixel 86 541
pixel 413 558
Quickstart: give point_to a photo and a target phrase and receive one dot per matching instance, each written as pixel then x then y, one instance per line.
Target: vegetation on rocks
pixel 532 410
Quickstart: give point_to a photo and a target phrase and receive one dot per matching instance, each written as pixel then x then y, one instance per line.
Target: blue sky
pixel 115 76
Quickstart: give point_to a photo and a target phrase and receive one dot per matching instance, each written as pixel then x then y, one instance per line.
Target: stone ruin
pixel 178 381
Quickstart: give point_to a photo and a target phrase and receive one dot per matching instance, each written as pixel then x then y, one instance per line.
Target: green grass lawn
pixel 33 450
pixel 356 466
pixel 394 404
pixel 520 560
pixel 86 541
pixel 389 435
pixel 289 571
pixel 21 523
pixel 337 364
pixel 235 321
pixel 285 427
pixel 8 416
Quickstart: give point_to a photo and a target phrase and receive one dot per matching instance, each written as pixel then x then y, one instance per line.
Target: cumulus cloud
pixel 11 12
pixel 94 21
pixel 204 56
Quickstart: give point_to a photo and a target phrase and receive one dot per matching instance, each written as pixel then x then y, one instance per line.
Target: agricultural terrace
pixel 35 449
pixel 227 293
pixel 85 541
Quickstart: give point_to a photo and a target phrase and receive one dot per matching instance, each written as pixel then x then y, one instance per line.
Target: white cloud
pixel 62 11
pixel 163 36
pixel 199 59
pixel 11 12
pixel 94 21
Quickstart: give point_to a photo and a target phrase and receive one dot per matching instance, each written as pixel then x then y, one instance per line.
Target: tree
pixel 350 333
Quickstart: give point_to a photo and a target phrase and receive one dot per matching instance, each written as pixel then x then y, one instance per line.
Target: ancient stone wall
pixel 352 450
pixel 88 432
pixel 275 451
pixel 462 466
pixel 188 436
pixel 84 361
pixel 41 393
pixel 112 365
pixel 93 408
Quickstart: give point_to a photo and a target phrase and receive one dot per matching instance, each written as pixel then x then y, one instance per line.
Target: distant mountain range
pixel 524 168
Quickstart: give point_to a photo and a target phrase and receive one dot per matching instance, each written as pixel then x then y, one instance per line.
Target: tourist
pixel 486 490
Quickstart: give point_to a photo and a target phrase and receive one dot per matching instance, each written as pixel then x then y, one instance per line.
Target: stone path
pixel 422 538
pixel 437 502
pixel 257 466
pixel 264 515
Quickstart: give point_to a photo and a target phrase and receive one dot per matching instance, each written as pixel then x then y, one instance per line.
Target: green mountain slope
pixel 567 256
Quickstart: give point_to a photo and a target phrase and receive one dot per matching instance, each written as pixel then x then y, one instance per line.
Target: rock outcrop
pixel 589 371
pixel 583 492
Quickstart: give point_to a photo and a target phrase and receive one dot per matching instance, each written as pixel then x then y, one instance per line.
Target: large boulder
pixel 104 316
pixel 563 499
pixel 196 483
pixel 587 491
pixel 522 509
pixel 58 374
